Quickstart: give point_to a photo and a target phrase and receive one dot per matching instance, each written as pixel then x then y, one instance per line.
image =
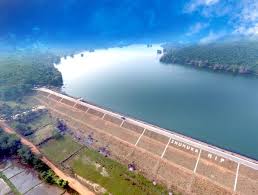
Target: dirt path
pixel 73 183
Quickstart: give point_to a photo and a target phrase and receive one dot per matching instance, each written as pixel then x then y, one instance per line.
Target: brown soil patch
pixel 216 173
pixel 247 183
pixel 153 135
pixel 181 158
pixel 120 150
pixel 217 160
pixel 145 162
pixel 172 176
pixel 70 111
pixel 96 113
pixel 201 186
pixel 248 172
pixel 48 101
pixel 133 127
pixel 54 97
pixel 68 102
pixel 151 145
pixel 81 107
pixel 112 119
pixel 108 127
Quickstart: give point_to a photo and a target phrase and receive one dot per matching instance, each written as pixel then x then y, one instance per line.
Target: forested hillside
pixel 236 57
pixel 21 71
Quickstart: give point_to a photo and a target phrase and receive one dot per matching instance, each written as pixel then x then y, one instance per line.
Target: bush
pixel 23 129
pixel 9 144
pixel 57 135
pixel 62 183
pixel 50 177
pixel 61 126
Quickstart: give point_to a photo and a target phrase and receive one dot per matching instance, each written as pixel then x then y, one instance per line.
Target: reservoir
pixel 217 108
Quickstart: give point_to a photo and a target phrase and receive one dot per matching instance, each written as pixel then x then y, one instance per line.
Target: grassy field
pixel 42 121
pixel 60 149
pixel 112 175
pixel 42 134
pixel 14 104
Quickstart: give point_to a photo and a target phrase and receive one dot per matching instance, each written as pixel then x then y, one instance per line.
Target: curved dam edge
pixel 173 136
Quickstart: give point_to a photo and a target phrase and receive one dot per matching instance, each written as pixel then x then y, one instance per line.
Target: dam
pixel 200 104
pixel 177 161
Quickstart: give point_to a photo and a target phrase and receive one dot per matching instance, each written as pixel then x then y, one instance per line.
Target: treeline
pixel 10 145
pixel 21 71
pixel 236 57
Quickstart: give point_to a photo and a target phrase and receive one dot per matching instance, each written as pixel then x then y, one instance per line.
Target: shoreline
pixel 236 157
pixel 212 70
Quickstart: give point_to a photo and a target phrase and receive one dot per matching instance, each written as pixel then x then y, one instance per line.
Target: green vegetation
pixel 50 177
pixel 28 116
pixel 22 128
pixel 236 57
pixel 28 121
pixel 112 175
pixel 21 71
pixel 10 108
pixel 59 149
pixel 45 173
pixel 44 134
pixel 10 184
pixel 27 157
pixel 11 145
pixel 41 121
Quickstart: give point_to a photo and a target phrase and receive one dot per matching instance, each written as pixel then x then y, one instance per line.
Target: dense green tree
pixel 21 71
pixel 29 158
pixel 5 110
pixel 26 155
pixel 238 57
pixel 9 144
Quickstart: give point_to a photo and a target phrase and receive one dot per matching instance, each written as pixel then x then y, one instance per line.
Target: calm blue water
pixel 217 108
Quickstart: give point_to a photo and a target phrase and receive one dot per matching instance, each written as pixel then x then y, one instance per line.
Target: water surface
pixel 220 109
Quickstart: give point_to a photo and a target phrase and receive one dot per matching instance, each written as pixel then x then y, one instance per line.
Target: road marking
pixel 122 123
pixel 103 116
pixel 166 148
pixel 87 110
pixel 235 185
pixel 49 95
pixel 197 162
pixel 75 105
pixel 60 100
pixel 140 137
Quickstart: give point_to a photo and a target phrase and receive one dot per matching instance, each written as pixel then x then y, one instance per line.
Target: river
pixel 217 108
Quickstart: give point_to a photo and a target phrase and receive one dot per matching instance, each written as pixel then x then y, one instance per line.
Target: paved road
pixel 73 183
